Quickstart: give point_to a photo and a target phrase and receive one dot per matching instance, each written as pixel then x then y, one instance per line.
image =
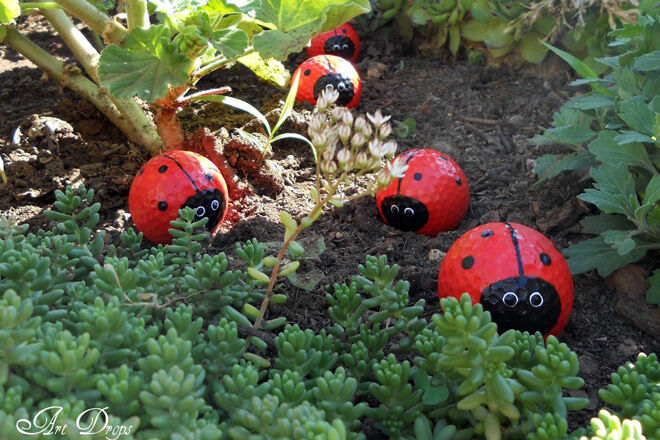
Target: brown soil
pixel 482 117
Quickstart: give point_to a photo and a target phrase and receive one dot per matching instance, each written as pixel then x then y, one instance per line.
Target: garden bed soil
pixel 482 117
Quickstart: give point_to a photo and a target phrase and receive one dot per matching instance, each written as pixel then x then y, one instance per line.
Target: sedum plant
pixel 157 51
pixel 197 368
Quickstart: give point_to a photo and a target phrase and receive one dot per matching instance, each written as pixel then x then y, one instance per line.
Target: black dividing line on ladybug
pixel 332 70
pixel 514 239
pixel 398 186
pixel 184 171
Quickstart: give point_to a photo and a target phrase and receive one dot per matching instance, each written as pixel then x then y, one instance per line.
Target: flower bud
pixel 322 102
pixel 328 167
pixel 385 131
pixel 316 124
pixel 358 140
pixel 384 178
pixel 361 160
pixel 318 140
pixel 361 125
pixel 347 117
pixel 389 148
pixel 376 148
pixel 344 132
pixel 343 156
pixel 336 114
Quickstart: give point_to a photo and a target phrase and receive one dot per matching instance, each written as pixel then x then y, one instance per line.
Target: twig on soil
pixel 482 120
pixel 486 137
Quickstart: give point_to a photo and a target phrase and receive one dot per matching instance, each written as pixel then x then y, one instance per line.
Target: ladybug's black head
pixel 522 303
pixel 336 81
pixel 339 45
pixel 404 212
pixel 208 203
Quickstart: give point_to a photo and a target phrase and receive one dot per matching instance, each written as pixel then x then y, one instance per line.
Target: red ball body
pixel 432 196
pixel 329 72
pixel 342 42
pixel 515 272
pixel 171 181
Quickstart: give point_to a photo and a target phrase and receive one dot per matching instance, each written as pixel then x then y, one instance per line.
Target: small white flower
pixel 330 95
pixel 336 114
pixel 322 102
pixel 344 132
pixel 397 167
pixel 317 123
pixel 390 148
pixel 358 140
pixel 378 119
pixel 376 148
pixel 385 131
pixel 318 140
pixel 384 178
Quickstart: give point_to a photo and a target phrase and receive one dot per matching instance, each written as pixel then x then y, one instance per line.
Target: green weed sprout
pixel 345 148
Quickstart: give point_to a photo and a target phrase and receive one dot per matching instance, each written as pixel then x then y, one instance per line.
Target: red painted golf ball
pixel 171 181
pixel 331 73
pixel 515 272
pixel 342 41
pixel 432 196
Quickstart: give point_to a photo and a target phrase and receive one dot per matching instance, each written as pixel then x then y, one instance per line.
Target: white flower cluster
pixel 346 144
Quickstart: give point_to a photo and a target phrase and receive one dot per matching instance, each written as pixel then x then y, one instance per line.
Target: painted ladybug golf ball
pixel 432 196
pixel 329 72
pixel 515 272
pixel 342 41
pixel 172 181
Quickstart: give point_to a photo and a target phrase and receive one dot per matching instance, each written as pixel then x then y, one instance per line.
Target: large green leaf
pixel 652 191
pixel 590 102
pixel 294 22
pixel 231 42
pixel 9 10
pixel 269 70
pixel 147 65
pixel 607 150
pixel 597 224
pixel 648 61
pixel 174 12
pixel 637 114
pixel 613 190
pixel 596 254
pixel 531 49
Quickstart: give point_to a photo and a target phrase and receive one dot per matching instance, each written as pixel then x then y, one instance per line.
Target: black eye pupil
pixel 467 262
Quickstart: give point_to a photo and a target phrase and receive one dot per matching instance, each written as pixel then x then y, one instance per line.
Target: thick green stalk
pixel 136 132
pixel 89 58
pixel 137 14
pixel 99 22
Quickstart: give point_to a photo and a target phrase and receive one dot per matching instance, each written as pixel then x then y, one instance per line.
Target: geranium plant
pixel 158 50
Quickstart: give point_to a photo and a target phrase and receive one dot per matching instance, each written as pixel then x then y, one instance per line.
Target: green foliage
pixel 155 342
pixel 613 131
pixel 503 25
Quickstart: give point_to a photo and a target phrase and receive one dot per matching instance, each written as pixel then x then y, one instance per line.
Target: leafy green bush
pixel 502 25
pixel 614 132
pixel 161 62
pixel 121 341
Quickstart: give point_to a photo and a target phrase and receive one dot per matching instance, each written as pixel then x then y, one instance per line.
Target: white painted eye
pixel 409 212
pixel 536 299
pixel 341 87
pixel 329 87
pixel 510 299
pixel 394 209
pixel 215 205
pixel 200 211
pixel 336 47
pixel 345 47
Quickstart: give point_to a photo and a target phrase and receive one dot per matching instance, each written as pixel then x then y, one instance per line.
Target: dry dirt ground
pixel 482 117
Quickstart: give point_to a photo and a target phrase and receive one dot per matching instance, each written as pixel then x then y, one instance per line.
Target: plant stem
pixel 75 40
pixel 99 22
pixel 137 14
pixel 26 6
pixel 285 246
pixel 215 64
pixel 136 132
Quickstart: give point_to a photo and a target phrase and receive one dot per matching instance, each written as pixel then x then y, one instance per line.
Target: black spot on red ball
pixel 487 233
pixel 545 259
pixel 336 81
pixel 307 72
pixel 339 45
pixel 162 206
pixel 209 177
pixel 405 213
pixel 162 169
pixel 459 182
pixel 417 176
pixel 467 262
pixel 528 304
